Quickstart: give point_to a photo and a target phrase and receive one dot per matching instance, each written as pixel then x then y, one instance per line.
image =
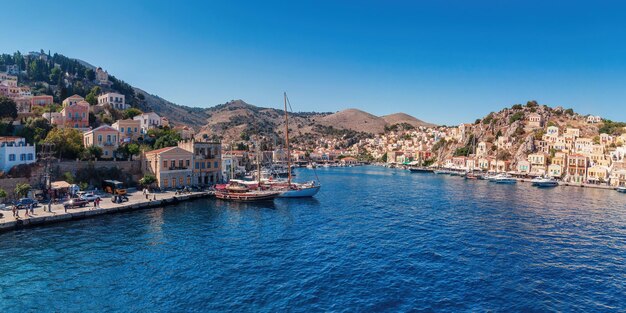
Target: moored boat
pixel 416 169
pixel 544 182
pixel 504 179
pixel 235 191
pixel 621 189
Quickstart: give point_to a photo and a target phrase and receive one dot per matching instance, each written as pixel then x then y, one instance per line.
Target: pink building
pixel 75 115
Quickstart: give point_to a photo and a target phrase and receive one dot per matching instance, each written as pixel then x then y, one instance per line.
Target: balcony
pixel 108 144
pixel 177 168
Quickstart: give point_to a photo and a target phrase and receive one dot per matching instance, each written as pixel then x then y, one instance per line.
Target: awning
pixel 61 184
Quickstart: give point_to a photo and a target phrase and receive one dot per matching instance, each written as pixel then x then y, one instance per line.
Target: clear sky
pixel 442 61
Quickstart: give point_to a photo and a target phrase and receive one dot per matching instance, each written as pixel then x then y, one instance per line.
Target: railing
pixel 174 168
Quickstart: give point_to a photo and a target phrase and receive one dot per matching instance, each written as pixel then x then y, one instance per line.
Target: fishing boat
pixel 505 179
pixel 621 189
pixel 235 191
pixel 544 182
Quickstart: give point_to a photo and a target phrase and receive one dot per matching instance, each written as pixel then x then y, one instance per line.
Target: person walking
pixel 32 209
pixel 95 203
pixel 14 211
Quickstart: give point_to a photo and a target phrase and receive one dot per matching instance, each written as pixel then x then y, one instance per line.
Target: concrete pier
pixel 137 201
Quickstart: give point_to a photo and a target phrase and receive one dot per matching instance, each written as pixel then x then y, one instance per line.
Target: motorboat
pixel 544 182
pixel 504 179
pixel 621 189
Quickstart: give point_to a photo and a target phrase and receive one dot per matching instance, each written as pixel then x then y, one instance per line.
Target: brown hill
pixel 399 118
pixel 356 120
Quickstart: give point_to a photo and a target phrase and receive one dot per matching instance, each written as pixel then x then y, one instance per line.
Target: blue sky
pixel 442 61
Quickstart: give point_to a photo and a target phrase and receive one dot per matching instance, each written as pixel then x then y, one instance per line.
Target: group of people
pixel 30 210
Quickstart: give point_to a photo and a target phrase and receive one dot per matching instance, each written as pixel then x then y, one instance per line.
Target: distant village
pixel 530 140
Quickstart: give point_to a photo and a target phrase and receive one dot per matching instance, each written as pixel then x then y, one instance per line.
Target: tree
pixel 92 153
pixel 131 112
pixel 69 177
pixel 68 142
pixel 55 74
pixel 3 195
pixel 92 96
pixel 147 180
pixel 516 117
pixel 8 108
pixel 90 74
pixel 133 149
pixel 22 189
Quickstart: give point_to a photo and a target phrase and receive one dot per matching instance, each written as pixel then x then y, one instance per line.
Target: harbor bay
pixel 373 239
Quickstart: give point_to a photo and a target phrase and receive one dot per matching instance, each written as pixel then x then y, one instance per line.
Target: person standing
pixel 14 212
pixel 32 209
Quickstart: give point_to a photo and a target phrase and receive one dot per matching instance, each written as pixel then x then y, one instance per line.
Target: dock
pixel 137 201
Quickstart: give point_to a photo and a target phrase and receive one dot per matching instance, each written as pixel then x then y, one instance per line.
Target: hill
pixel 400 118
pixel 356 120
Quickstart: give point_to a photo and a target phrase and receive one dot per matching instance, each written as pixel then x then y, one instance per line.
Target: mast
pixel 287 142
pixel 258 162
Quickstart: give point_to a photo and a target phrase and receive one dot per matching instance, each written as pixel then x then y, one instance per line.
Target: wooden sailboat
pixel 238 191
pixel 291 189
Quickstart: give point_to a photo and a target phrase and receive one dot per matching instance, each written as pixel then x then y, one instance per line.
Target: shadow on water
pixel 245 205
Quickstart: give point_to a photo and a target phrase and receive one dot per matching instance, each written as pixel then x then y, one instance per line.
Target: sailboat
pixel 237 190
pixel 290 189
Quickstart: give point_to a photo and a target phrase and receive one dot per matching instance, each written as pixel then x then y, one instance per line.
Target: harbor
pixel 136 201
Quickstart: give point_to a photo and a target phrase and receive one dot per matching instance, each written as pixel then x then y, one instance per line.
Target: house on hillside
pixel 535 120
pixel 113 99
pixel 150 120
pixel 591 119
pixel 72 100
pixel 105 137
pixel 130 129
pixel 15 151
pixel 75 115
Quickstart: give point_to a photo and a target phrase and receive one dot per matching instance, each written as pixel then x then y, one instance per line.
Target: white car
pixel 89 197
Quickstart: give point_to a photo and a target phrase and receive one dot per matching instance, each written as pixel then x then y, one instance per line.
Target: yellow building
pixel 207 161
pixel 105 137
pixel 130 130
pixel 171 166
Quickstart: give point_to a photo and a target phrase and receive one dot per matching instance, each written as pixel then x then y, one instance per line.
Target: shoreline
pixel 136 202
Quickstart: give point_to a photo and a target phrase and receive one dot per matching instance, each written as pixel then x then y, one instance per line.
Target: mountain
pixel 356 120
pixel 400 118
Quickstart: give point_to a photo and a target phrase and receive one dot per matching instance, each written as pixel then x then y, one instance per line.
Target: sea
pixel 372 240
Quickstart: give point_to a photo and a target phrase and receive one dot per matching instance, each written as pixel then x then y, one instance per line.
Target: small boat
pixel 234 191
pixel 621 189
pixel 472 175
pixel 544 182
pixel 504 179
pixel 300 190
pixel 415 169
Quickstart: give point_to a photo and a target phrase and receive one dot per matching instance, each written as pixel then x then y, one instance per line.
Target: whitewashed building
pixel 15 151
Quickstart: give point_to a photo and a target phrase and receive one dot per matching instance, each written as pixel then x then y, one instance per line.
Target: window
pixel 202 163
pixel 135 129
pixel 128 130
pixel 108 138
pixel 30 156
pixel 180 181
pixel 164 163
pixel 122 130
pixel 99 138
pixel 11 157
pixel 197 165
pixel 173 163
pixel 23 157
pixel 187 163
pixel 208 164
pixel 106 153
pixel 114 138
pixel 165 181
pixel 216 164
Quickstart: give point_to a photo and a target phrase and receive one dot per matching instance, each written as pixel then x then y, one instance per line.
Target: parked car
pixel 26 203
pixel 75 203
pixel 119 199
pixel 90 197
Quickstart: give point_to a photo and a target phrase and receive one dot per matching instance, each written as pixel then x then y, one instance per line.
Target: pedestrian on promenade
pixel 95 203
pixel 32 209
pixel 26 213
pixel 14 212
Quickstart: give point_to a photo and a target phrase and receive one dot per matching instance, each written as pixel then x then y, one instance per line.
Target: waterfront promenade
pixel 136 201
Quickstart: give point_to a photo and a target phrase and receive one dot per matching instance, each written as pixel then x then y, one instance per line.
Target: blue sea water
pixel 373 239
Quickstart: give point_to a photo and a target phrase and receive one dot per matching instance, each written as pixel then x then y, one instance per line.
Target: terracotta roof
pixel 161 150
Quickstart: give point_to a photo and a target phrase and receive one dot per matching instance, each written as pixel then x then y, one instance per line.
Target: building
pixel 535 120
pixel 72 100
pixel 185 132
pixel 149 120
pixel 555 170
pixel 598 174
pixel 41 101
pixel 171 166
pixel 523 167
pixel 75 115
pixel 113 99
pixel 552 131
pixel 15 151
pixel 130 130
pixel 105 137
pixel 538 163
pixel 102 77
pixel 594 119
pixel 576 168
pixel 207 161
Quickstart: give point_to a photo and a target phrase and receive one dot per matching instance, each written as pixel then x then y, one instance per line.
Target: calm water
pixel 374 239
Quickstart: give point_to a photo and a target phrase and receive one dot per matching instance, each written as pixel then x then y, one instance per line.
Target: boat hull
pixel 301 192
pixel 621 189
pixel 545 184
pixel 246 197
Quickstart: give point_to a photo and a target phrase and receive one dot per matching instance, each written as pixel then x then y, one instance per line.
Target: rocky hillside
pixel 403 118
